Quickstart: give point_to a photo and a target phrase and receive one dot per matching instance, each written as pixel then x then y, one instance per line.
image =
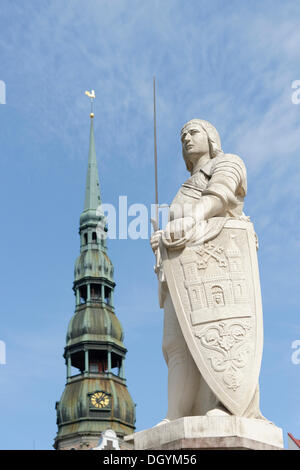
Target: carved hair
pixel 213 137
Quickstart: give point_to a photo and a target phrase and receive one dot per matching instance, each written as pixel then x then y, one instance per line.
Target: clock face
pixel 100 400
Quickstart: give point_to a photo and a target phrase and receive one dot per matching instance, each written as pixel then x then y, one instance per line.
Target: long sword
pixel 155 222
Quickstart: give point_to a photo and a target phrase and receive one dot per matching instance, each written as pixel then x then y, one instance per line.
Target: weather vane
pixel 92 96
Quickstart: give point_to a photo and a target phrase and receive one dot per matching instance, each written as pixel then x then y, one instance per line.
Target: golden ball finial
pixel 92 96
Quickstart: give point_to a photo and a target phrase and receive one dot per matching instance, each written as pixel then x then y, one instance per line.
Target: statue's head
pixel 198 138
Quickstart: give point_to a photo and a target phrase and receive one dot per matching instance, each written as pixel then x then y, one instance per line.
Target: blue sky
pixel 232 63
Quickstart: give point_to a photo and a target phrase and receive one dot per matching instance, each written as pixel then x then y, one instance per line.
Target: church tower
pixel 95 397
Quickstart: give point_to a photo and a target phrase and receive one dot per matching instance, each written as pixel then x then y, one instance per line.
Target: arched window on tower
pixel 94 237
pixel 83 294
pixel 116 364
pixel 107 295
pixel 95 293
pixel 218 296
pixel 75 363
pixel 85 238
pixel 98 362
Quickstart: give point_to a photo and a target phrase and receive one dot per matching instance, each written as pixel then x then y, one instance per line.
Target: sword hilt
pixel 157 251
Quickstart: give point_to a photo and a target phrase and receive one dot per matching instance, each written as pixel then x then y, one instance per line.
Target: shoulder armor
pixel 229 162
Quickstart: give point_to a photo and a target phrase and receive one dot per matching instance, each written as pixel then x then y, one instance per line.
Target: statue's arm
pixel 226 186
pixel 209 206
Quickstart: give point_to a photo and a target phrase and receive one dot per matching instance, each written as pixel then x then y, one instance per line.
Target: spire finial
pixel 92 96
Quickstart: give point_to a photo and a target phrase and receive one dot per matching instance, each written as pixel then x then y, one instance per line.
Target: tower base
pixel 210 433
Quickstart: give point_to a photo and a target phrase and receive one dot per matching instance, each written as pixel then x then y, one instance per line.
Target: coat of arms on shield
pixel 215 290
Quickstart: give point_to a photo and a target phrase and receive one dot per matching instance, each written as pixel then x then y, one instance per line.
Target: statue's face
pixel 194 141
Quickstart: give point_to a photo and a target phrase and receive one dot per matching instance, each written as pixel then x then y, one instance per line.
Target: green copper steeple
pixel 96 397
pixel 92 220
pixel 92 189
pixel 93 275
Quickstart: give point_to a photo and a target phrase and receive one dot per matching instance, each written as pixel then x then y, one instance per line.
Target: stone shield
pixel 215 290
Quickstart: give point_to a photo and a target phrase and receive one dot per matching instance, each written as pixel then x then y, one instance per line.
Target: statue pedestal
pixel 210 433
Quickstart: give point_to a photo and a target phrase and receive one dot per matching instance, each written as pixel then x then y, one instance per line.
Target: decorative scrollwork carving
pixel 229 341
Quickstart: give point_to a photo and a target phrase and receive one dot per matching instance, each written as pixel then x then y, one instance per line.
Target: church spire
pixel 95 397
pixel 92 189
pixel 92 217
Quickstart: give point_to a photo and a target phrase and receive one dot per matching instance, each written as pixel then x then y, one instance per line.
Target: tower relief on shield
pixel 215 280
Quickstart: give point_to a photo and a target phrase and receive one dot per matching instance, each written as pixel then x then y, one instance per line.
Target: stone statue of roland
pixel 209 286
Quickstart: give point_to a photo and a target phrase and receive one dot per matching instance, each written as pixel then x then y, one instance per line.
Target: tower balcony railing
pixel 95 375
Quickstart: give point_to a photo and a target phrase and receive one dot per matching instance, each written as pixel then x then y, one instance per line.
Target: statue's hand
pixel 155 240
pixel 179 228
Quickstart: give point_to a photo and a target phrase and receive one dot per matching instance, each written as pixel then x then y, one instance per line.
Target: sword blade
pixel 155 157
